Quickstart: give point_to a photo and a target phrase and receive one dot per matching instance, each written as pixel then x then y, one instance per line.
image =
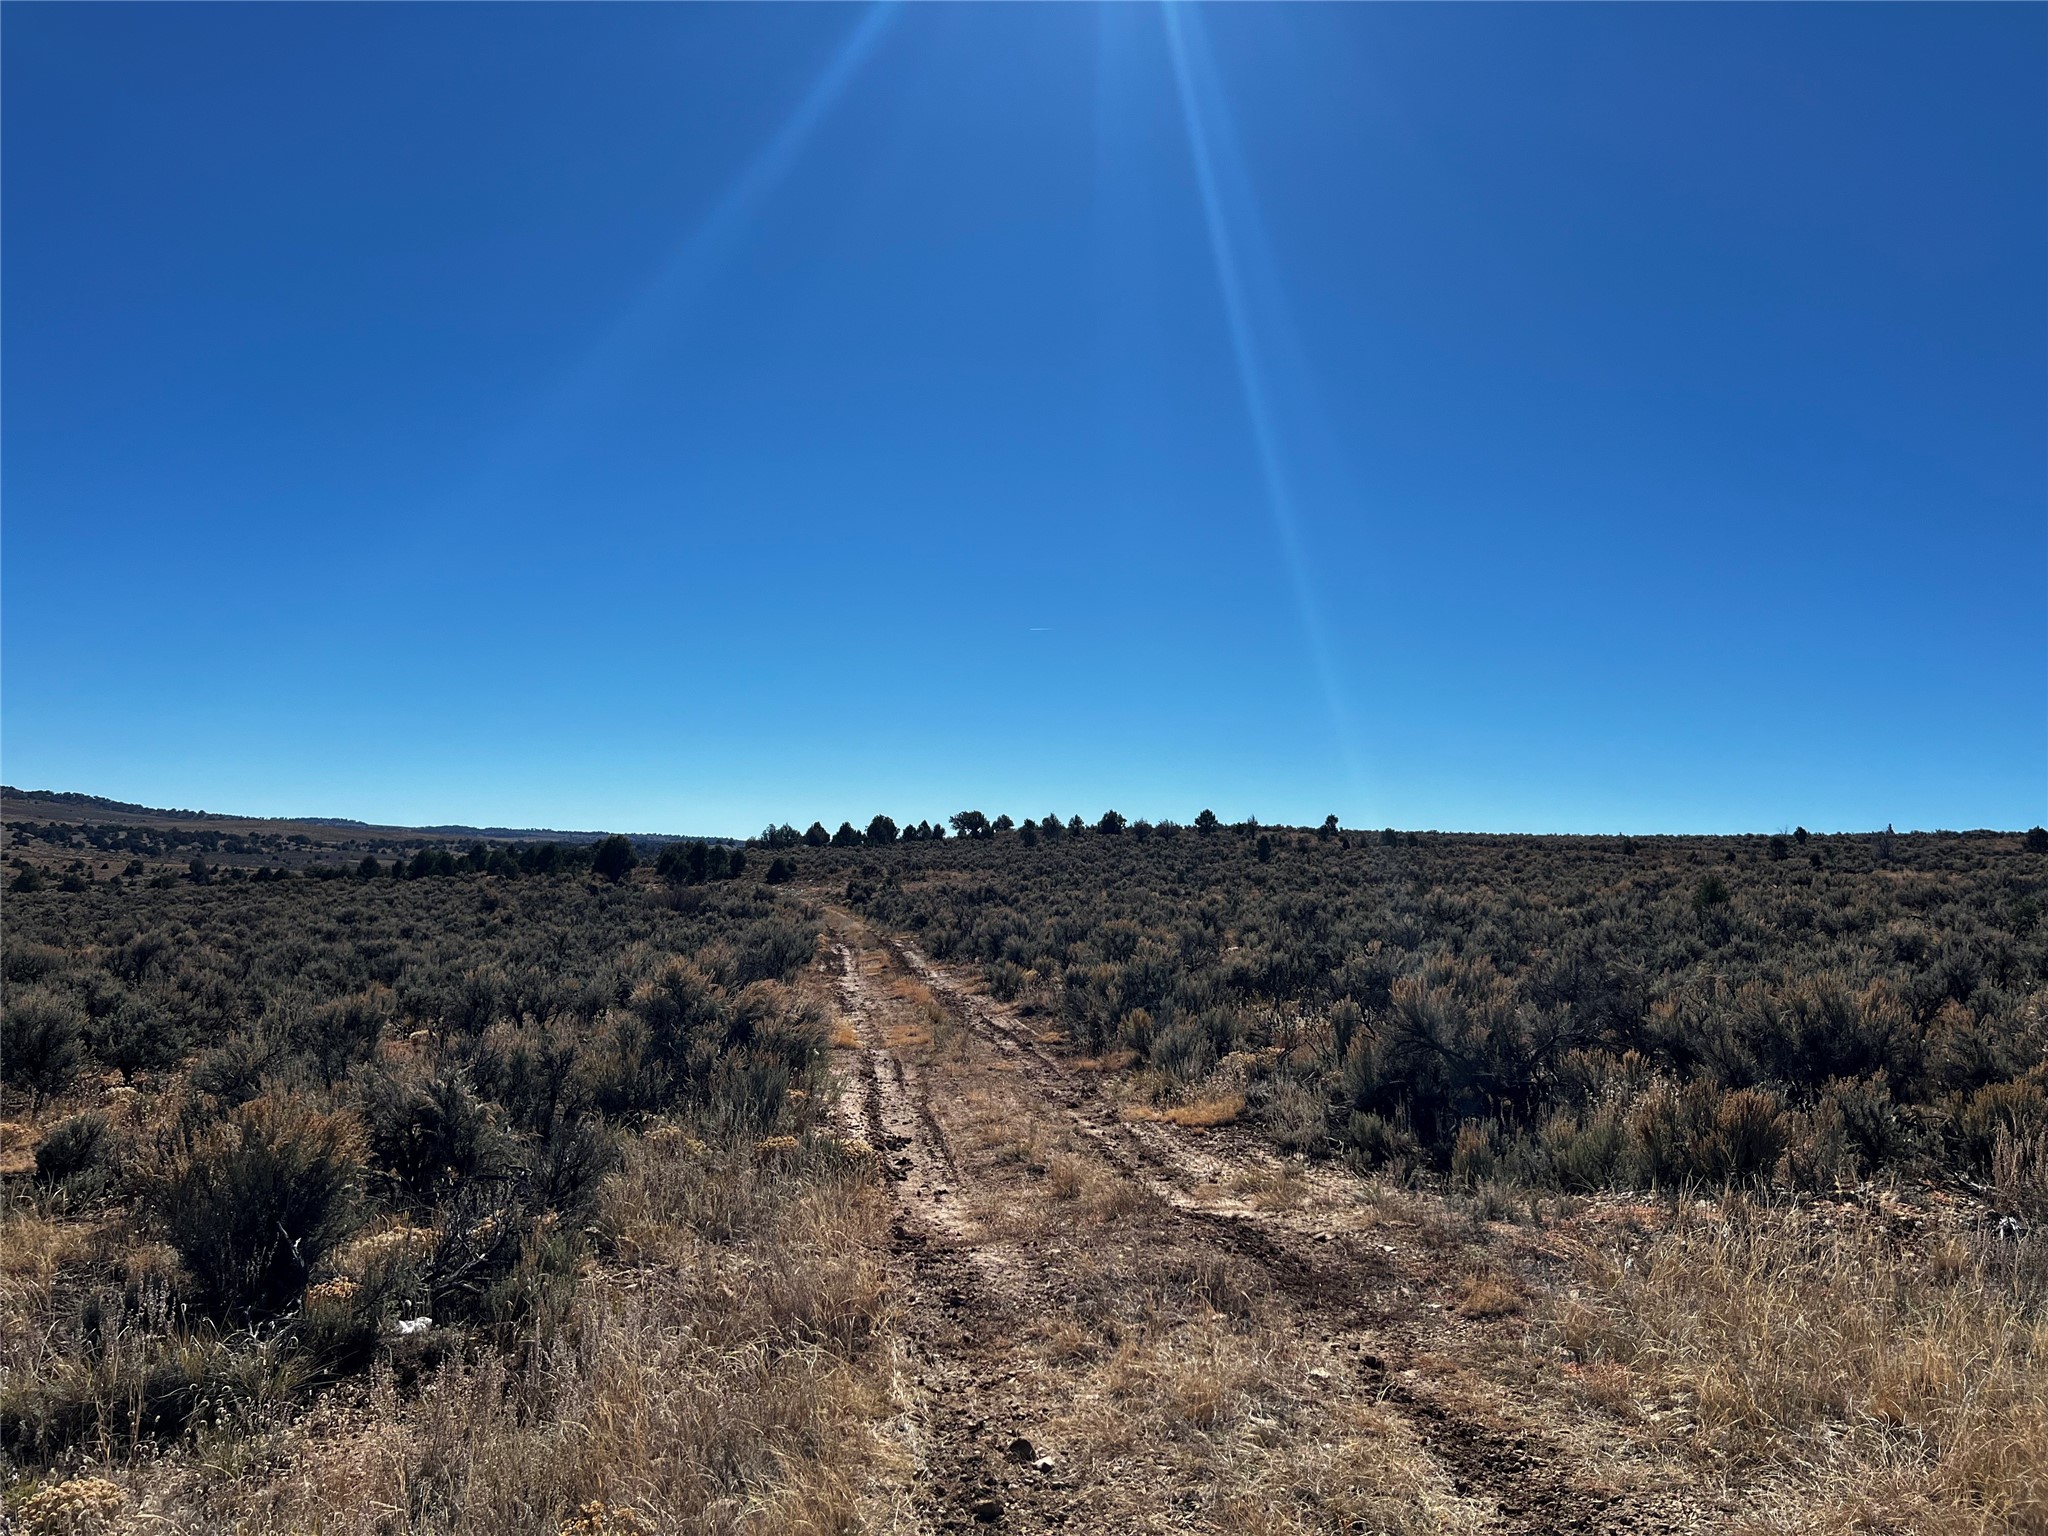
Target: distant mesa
pixel 66 805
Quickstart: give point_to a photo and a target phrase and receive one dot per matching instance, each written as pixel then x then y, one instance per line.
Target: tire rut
pixel 1518 1472
pixel 952 1315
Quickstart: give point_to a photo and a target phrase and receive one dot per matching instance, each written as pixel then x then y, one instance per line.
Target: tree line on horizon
pixel 883 830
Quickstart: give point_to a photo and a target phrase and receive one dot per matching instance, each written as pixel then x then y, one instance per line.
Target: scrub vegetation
pixel 1578 1014
pixel 474 1201
pixel 1633 1183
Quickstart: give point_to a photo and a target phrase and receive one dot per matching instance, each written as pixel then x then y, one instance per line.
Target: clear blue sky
pixel 1546 418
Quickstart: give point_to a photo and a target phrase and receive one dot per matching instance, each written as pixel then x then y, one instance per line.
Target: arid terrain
pixel 1116 1322
pixel 1124 1324
pixel 1232 1180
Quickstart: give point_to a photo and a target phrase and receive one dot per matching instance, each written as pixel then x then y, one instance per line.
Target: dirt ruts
pixel 947 1083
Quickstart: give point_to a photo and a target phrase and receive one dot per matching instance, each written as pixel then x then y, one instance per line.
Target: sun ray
pixel 555 422
pixel 1189 57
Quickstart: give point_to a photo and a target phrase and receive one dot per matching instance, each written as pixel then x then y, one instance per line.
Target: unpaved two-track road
pixel 1118 1325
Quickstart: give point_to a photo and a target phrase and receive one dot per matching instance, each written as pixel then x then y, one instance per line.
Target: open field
pixel 1236 1180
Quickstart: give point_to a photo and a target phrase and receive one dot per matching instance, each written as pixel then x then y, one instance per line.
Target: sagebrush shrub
pixel 257 1201
pixel 42 1041
pixel 77 1146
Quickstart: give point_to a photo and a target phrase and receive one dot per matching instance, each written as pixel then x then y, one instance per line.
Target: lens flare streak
pixel 1183 46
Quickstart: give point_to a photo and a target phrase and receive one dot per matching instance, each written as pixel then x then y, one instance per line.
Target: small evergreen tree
pixel 817 836
pixel 614 858
pixel 881 832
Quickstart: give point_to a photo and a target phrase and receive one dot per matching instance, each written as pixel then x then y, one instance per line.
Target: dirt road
pixel 1125 1325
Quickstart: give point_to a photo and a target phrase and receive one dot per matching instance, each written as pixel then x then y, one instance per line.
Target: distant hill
pixel 69 807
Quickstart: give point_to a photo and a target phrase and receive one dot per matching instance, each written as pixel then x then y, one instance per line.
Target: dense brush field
pixel 358 1146
pixel 464 1196
pixel 1582 1013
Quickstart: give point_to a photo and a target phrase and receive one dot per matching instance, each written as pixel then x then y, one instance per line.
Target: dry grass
pixel 721 1373
pixel 1198 1114
pixel 41 1258
pixel 34 1246
pixel 1230 1405
pixel 1903 1373
pixel 1270 1186
pixel 1489 1296
pixel 82 1506
pixel 923 1022
pixel 17 1147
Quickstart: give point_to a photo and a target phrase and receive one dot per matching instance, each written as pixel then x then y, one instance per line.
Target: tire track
pixel 1520 1473
pixel 954 1315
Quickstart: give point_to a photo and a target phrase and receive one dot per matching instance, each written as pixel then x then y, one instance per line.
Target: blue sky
pixel 1541 418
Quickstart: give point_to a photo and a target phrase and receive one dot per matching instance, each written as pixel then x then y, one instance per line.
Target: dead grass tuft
pixel 18 1141
pixel 1199 1114
pixel 81 1506
pixel 1269 1186
pixel 1489 1296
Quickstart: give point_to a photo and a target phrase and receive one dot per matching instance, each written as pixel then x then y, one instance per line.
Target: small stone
pixel 1020 1450
pixel 987 1511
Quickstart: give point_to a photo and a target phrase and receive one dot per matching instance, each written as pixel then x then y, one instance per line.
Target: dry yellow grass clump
pixel 1489 1296
pixel 81 1506
pixel 1878 1370
pixel 1200 1114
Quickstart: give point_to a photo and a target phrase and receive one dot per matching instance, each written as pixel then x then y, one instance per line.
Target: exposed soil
pixel 1116 1324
